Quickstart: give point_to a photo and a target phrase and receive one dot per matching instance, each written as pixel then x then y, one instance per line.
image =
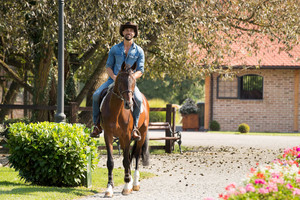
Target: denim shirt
pixel 117 56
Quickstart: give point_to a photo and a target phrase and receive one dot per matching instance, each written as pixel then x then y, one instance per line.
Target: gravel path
pixel 215 161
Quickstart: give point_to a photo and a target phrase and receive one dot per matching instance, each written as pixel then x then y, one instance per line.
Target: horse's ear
pixel 133 66
pixel 123 67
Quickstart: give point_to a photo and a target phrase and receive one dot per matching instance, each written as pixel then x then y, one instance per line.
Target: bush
pixel 244 128
pixel 189 107
pixel 51 154
pixel 157 116
pixel 8 122
pixel 214 126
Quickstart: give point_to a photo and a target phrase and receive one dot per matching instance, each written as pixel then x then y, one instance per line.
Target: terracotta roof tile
pixel 269 54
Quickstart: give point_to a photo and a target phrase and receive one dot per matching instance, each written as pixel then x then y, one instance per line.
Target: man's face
pixel 128 33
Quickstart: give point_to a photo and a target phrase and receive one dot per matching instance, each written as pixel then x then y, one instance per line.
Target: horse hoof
pixel 136 188
pixel 126 192
pixel 108 195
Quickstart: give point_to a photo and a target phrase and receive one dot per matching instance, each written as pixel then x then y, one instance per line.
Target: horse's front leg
pixel 136 179
pixel 128 179
pixel 110 166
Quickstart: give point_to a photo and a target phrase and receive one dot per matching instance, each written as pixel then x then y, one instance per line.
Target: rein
pixel 120 96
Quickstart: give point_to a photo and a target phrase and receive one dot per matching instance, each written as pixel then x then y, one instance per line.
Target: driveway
pixel 215 161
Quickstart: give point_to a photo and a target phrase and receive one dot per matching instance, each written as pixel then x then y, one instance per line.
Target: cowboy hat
pixel 129 25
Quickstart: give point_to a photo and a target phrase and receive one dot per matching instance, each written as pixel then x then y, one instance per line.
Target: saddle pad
pixel 142 107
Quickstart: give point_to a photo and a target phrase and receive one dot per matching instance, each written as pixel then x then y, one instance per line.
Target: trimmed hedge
pixel 244 128
pixel 214 126
pixel 51 154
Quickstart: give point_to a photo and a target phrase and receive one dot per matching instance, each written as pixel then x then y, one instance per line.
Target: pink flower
pixel 289 186
pixel 230 186
pixel 272 187
pixel 242 190
pixel 296 191
pixel 260 181
pixel 298 180
pixel 277 180
pixel 209 198
pixel 250 188
pixel 263 191
pixel 275 175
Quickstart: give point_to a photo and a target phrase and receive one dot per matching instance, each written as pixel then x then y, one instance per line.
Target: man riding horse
pixel 129 52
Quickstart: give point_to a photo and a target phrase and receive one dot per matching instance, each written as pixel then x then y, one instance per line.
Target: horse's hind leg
pixel 110 166
pixel 128 179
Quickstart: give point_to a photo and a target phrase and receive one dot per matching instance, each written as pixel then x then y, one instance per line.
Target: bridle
pixel 120 96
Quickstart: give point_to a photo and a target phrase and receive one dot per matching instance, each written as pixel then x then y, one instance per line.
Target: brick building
pixel 267 99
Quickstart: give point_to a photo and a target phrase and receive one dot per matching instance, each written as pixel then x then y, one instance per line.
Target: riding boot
pixel 97 130
pixel 135 135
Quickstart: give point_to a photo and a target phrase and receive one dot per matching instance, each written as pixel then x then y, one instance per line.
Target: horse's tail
pixel 145 151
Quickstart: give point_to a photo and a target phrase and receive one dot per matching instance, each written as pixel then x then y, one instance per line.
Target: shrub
pixel 157 116
pixel 8 122
pixel 214 126
pixel 244 128
pixel 188 107
pixel 51 154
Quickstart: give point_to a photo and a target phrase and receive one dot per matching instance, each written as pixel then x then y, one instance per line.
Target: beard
pixel 128 37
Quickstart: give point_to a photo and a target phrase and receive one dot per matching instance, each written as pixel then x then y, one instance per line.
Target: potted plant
pixel 189 113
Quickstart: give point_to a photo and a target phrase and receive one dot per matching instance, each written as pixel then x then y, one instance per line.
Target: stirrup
pixel 137 138
pixel 96 132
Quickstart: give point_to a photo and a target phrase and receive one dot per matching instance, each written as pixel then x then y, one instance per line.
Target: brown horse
pixel 117 121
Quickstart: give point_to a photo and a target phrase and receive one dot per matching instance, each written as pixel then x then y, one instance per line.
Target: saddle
pixel 103 95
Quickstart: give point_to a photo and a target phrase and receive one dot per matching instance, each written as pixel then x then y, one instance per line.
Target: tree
pixel 168 31
pixel 171 91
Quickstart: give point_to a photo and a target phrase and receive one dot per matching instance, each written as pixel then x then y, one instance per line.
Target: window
pixel 251 87
pixel 228 88
pixel 244 87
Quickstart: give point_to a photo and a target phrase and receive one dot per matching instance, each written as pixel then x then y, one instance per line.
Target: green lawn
pixel 11 187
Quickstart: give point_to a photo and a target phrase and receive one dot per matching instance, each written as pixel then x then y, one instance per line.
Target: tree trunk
pixel 87 117
pixel 97 73
pixel 10 98
pixel 40 96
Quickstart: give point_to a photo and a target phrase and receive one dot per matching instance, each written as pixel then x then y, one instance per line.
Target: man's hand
pixel 111 73
pixel 137 74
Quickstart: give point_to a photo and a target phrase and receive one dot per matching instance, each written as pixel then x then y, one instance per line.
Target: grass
pixel 11 187
pixel 159 103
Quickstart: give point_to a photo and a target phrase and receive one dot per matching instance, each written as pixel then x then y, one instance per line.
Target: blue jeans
pixel 136 108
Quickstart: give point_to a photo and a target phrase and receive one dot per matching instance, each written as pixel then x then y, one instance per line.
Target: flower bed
pixel 278 180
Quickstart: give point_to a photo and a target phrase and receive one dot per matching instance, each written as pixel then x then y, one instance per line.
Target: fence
pixel 74 110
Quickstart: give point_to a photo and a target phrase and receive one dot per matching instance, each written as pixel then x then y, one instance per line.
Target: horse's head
pixel 125 84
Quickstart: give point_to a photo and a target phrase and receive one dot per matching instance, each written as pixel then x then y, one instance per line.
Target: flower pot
pixel 190 121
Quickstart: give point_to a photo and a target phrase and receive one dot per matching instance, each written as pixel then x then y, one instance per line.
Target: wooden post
pixel 207 102
pixel 169 143
pixel 174 120
pixel 74 112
